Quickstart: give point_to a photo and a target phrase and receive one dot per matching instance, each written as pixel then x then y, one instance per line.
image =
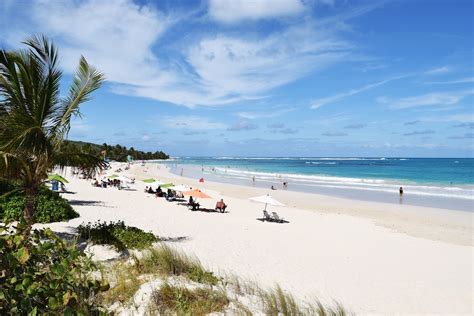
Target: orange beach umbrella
pixel 197 194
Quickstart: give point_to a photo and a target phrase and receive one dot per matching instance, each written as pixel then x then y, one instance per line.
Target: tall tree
pixel 35 119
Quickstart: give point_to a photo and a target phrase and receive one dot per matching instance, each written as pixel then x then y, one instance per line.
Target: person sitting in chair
pixel 193 204
pixel 221 206
pixel 159 192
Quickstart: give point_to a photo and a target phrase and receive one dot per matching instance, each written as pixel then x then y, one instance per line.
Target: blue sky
pixel 267 77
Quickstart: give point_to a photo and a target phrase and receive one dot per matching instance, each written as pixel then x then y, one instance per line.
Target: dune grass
pixel 214 295
pixel 179 300
pixel 165 260
pixel 124 284
pixel 278 302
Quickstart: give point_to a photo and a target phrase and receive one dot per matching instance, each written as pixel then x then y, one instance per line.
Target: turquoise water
pixel 436 182
pixel 444 171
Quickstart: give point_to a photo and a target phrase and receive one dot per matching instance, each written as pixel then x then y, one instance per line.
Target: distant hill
pixel 115 152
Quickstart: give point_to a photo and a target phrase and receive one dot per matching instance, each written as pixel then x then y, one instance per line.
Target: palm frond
pixel 14 167
pixel 86 80
pixel 78 159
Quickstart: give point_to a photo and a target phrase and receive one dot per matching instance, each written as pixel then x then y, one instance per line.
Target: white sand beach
pixel 373 258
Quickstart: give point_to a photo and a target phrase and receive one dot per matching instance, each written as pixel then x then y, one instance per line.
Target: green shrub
pixel 167 261
pixel 172 300
pixel 40 273
pixel 50 207
pixel 117 234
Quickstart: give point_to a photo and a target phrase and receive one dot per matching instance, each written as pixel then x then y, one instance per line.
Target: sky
pixel 314 78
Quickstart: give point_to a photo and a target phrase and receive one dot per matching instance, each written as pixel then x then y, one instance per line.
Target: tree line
pixel 113 152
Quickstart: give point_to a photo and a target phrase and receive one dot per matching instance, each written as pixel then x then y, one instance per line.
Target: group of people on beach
pixel 104 183
pixel 172 195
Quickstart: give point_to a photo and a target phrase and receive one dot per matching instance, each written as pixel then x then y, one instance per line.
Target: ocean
pixel 436 182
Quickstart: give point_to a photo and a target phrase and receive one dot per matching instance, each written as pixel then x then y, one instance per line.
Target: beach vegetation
pixel 165 260
pixel 276 301
pixel 117 234
pixel 35 118
pixel 50 206
pixel 214 294
pixel 124 281
pixel 172 300
pixel 42 274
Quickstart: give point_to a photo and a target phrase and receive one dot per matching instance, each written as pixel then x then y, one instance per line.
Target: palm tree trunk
pixel 30 206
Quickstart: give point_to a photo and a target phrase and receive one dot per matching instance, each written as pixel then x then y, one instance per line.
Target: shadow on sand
pixel 87 203
pixel 175 239
pixel 281 221
pixel 209 210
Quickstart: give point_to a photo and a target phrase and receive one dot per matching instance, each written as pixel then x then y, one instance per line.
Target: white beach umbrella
pixel 267 199
pixel 156 184
pixel 124 179
pixel 179 188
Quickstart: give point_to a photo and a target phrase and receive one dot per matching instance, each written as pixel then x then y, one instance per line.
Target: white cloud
pixel 315 104
pixel 429 99
pixel 269 114
pixel 231 11
pixel 233 66
pixel 242 126
pixel 455 81
pixel 439 70
pixel 116 36
pixel 121 38
pixel 463 118
pixel 191 123
pixel 334 134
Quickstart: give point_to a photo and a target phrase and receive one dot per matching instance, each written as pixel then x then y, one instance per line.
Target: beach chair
pixel 267 217
pixel 223 208
pixel 220 207
pixel 277 218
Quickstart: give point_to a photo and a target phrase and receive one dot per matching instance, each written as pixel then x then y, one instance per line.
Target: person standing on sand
pixel 253 179
pixel 401 191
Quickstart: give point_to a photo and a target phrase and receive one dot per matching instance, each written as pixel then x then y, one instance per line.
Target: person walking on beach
pixel 285 185
pixel 253 179
pixel 401 191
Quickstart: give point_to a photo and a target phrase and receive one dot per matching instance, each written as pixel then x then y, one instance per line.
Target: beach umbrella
pixel 267 199
pixel 197 194
pixel 124 179
pixel 167 185
pixel 114 176
pixel 180 188
pixel 151 180
pixel 57 177
pixel 156 184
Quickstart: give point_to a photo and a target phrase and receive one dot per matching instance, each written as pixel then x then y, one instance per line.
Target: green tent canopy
pixel 113 176
pixel 57 177
pixel 167 185
pixel 151 180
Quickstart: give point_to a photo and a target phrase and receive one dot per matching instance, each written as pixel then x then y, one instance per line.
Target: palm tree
pixel 35 119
